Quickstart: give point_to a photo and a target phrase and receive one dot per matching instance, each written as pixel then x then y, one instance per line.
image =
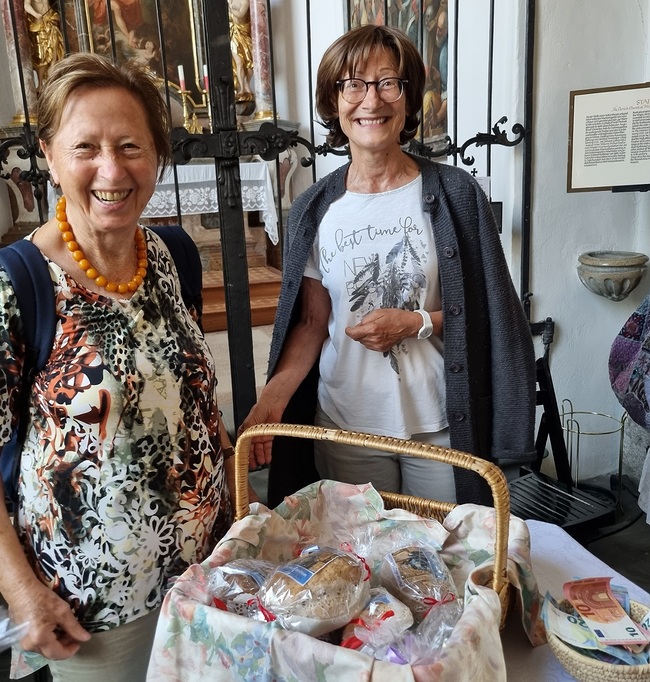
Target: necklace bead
pixel 90 271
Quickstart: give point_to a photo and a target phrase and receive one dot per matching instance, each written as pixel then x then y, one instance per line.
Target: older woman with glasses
pixel 397 315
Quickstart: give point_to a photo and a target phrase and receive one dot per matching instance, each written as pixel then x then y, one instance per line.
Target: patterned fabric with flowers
pixel 195 641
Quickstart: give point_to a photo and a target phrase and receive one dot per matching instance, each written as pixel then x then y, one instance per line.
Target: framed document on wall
pixel 609 139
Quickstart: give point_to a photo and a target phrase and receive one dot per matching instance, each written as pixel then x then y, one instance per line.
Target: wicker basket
pixel 426 508
pixel 586 669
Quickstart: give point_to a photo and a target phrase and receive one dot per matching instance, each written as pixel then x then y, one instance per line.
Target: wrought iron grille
pixel 187 43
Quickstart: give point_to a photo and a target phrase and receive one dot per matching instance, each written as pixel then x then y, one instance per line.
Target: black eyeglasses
pixel 354 90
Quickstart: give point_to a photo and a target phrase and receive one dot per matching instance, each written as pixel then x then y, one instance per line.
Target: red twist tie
pixel 353 642
pixel 219 604
pixel 347 547
pixel 433 601
pixel 268 616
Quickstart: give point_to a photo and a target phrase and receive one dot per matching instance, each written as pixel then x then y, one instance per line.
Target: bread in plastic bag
pixel 234 586
pixel 424 645
pixel 418 577
pixel 320 591
pixel 383 620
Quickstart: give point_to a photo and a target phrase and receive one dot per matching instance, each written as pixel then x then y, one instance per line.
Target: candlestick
pixel 205 77
pixel 181 76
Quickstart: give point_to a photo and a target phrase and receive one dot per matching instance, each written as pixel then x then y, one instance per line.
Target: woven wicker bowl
pixel 427 508
pixel 586 669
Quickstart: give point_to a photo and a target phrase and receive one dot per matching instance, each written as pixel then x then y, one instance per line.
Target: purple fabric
pixel 629 365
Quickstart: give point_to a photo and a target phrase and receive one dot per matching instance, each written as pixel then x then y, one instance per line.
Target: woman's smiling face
pixel 372 124
pixel 104 158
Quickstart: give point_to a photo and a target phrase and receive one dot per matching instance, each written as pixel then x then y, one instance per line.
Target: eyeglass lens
pixel 354 90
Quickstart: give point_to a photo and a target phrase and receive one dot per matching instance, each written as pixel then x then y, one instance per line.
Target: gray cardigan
pixel 488 349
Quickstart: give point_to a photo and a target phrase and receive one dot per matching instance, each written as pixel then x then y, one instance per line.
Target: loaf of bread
pixel 417 576
pixel 320 591
pixel 235 585
pixel 383 620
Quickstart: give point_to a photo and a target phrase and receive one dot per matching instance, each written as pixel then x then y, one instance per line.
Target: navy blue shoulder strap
pixel 32 283
pixel 30 276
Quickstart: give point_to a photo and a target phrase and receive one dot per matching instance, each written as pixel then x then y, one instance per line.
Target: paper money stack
pixel 594 620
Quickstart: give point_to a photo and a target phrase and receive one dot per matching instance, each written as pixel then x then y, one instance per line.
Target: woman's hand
pixel 382 328
pixel 301 350
pixel 265 411
pixel 53 630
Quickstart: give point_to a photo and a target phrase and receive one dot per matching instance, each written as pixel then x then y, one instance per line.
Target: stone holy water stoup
pixel 612 274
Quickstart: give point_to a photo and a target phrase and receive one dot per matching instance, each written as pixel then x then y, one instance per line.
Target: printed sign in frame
pixel 609 138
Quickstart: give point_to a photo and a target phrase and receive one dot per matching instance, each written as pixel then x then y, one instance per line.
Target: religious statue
pixel 241 47
pixel 47 40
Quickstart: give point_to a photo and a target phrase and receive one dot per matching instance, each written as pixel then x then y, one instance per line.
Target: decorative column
pixel 263 84
pixel 19 62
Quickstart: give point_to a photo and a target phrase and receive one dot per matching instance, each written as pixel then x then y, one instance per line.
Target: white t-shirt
pixel 377 251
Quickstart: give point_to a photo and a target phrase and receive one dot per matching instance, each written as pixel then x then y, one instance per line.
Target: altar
pixel 197 187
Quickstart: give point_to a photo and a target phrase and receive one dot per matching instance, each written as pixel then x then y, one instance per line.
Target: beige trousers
pixel 117 655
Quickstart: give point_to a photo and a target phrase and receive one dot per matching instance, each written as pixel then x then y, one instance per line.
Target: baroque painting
pixel 137 38
pixel 426 24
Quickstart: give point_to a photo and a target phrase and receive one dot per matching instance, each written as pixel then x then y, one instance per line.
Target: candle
pixel 181 76
pixel 205 77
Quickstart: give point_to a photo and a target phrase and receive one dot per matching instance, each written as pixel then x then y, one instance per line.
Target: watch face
pixel 425 332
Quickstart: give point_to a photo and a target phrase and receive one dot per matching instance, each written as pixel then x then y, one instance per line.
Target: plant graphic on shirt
pixel 397 284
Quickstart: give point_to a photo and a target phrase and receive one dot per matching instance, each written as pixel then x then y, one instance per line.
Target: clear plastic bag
pixel 320 591
pixel 417 576
pixel 383 620
pixel 423 645
pixel 234 586
pixel 10 634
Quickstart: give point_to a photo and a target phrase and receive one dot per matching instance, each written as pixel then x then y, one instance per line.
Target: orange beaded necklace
pixel 100 280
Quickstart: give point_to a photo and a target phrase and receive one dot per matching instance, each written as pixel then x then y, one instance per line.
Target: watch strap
pixel 426 329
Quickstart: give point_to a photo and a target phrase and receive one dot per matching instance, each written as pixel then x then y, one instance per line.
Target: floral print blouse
pixel 122 482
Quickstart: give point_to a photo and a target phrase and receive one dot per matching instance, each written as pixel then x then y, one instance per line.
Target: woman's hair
pixel 97 72
pixel 351 52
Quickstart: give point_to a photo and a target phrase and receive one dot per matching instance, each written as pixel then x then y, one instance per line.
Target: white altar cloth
pixel 198 193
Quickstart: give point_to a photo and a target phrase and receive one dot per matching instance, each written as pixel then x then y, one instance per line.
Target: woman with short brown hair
pixel 397 314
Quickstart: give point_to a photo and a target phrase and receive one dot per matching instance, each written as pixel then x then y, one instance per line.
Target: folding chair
pixel 577 508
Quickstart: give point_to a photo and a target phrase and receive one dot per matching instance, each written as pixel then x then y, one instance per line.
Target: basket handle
pixel 487 470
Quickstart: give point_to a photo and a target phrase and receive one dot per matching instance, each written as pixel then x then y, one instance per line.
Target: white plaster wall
pixel 582 44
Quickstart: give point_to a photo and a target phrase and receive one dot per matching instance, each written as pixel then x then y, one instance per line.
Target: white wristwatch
pixel 427 326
